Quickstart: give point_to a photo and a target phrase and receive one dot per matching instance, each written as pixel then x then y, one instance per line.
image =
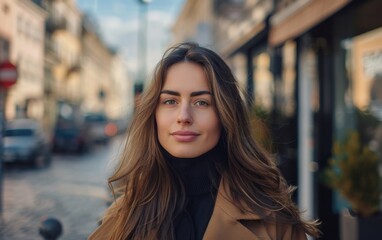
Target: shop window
pixel 359 99
pixel 239 69
pixel 262 82
pixel 365 88
pixel 289 79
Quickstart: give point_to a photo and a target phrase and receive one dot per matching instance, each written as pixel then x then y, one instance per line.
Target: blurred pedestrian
pixel 191 168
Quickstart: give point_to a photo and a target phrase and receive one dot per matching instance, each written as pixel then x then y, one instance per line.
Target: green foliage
pixel 353 171
pixel 259 112
pixel 259 118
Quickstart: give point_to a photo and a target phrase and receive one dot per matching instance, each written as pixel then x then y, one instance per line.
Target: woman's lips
pixel 184 136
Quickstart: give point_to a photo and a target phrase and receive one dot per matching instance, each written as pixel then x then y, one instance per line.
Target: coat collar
pixel 225 220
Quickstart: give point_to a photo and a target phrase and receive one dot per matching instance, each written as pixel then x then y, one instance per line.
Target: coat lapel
pixel 225 220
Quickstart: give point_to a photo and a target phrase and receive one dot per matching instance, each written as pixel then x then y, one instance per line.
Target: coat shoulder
pixel 228 222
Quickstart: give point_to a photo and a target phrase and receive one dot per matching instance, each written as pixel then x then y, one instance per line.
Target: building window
pixel 5 8
pixel 4 49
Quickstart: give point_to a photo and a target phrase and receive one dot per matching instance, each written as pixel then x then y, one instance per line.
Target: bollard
pixel 50 228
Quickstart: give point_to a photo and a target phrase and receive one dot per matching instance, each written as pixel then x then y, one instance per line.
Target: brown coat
pixel 229 223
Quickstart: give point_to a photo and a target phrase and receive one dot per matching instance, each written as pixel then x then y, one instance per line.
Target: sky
pixel 118 22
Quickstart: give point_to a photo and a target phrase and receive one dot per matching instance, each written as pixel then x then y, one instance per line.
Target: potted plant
pixel 353 171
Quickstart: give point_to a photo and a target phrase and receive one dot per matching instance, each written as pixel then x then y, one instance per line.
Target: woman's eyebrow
pixel 198 93
pixel 170 92
pixel 193 94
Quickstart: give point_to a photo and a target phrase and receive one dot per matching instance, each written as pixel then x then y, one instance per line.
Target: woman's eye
pixel 202 103
pixel 169 102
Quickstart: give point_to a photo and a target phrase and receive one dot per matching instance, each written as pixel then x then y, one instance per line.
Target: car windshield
pixel 18 132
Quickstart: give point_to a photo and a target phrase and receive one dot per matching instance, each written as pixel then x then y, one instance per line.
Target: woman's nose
pixel 184 114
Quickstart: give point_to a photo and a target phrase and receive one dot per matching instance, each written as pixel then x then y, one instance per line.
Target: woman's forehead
pixel 186 76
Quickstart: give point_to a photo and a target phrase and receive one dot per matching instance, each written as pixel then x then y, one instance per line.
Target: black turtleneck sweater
pixel 200 179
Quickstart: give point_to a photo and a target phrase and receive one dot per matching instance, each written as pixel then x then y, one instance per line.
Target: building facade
pixel 65 25
pixel 22 30
pixel 63 64
pixel 121 101
pixel 95 72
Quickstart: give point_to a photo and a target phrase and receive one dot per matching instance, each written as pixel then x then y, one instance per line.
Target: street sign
pixel 8 74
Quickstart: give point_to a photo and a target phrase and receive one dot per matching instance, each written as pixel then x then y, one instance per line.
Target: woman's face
pixel 186 116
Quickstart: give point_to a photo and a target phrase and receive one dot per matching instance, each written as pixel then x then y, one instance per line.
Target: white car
pixel 24 141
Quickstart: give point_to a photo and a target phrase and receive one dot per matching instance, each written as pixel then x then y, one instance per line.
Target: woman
pixel 191 169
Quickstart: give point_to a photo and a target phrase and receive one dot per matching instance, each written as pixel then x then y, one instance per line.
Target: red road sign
pixel 8 74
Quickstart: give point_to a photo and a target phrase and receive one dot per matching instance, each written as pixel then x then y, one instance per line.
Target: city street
pixel 73 189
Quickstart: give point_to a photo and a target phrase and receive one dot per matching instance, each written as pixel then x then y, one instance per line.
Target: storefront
pixel 345 93
pixel 331 74
pixel 315 74
pixel 349 55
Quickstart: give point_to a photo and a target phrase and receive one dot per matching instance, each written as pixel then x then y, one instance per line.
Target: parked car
pixel 71 136
pixel 25 141
pixel 100 128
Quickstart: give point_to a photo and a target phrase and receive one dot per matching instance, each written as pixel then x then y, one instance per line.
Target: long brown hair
pixel 149 198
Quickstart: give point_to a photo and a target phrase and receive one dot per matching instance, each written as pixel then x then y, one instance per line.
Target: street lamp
pixel 142 49
pixel 143 39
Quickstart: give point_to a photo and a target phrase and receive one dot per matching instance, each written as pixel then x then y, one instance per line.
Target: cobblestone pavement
pixel 73 189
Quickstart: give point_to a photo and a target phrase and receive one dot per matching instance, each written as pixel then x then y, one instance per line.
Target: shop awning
pixel 240 41
pixel 301 16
